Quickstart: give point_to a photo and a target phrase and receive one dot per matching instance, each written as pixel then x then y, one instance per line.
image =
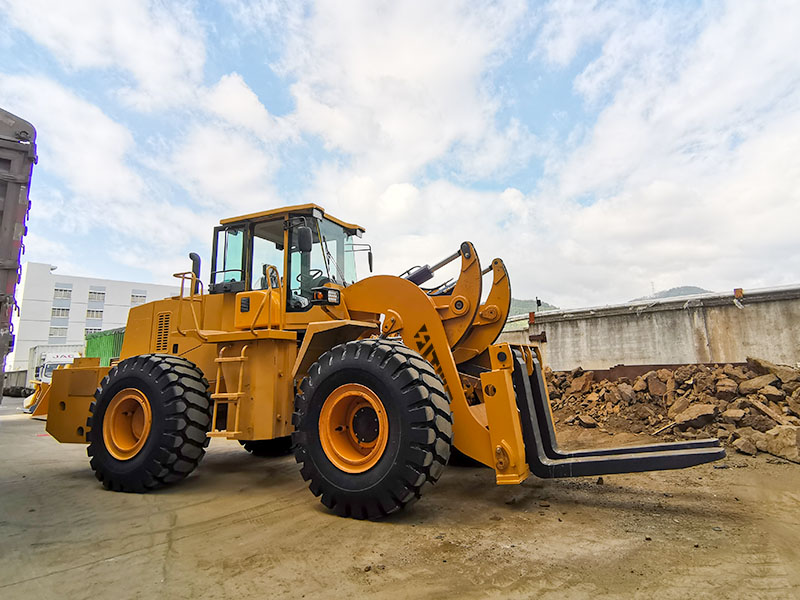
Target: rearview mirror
pixel 305 238
pixel 369 260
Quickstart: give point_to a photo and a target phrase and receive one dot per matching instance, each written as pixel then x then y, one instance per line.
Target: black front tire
pixel 181 409
pixel 419 427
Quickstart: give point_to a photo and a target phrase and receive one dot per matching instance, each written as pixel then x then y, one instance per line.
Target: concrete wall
pixel 692 329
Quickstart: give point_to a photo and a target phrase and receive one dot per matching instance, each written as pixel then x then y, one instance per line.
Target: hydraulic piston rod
pixel 422 274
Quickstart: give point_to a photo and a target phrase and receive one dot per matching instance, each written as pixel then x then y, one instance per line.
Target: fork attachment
pixel 547 460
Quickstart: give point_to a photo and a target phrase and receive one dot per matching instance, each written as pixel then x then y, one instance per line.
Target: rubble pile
pixel 753 407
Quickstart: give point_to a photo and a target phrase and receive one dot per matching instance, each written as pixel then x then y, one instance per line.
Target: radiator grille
pixel 162 331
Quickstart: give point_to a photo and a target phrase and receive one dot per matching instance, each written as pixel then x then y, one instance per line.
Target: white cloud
pixel 232 100
pixel 393 88
pixel 224 170
pixel 101 191
pixel 683 169
pixel 691 172
pixel 275 17
pixel 397 86
pixel 411 224
pixel 159 46
pixel 78 142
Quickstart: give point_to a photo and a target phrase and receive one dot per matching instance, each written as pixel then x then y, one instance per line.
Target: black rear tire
pixel 419 427
pixel 181 408
pixel 281 446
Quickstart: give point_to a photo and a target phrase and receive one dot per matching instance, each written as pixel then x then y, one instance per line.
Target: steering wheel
pixel 312 274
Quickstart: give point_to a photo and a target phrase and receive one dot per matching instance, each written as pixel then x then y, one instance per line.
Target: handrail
pixel 267 298
pixel 194 296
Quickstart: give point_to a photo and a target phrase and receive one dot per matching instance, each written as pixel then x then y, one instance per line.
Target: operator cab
pixel 297 248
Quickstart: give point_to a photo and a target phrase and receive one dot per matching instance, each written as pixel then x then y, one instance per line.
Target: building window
pixel 62 294
pixel 59 313
pixel 58 332
pixel 97 296
pixel 89 330
pixel 94 314
pixel 137 299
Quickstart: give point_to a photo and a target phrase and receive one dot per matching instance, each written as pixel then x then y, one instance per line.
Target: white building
pixel 56 309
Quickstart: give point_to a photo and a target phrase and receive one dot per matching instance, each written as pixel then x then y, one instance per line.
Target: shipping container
pixel 105 345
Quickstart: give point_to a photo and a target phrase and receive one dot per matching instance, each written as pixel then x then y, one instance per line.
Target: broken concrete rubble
pixel 745 446
pixel 696 415
pixel 785 373
pixel 726 389
pixel 750 386
pixel 772 393
pixel 581 384
pixel 732 402
pixel 655 386
pixel 678 407
pixel 784 441
pixel 733 415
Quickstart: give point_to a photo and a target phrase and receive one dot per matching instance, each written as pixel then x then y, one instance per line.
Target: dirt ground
pixel 245 527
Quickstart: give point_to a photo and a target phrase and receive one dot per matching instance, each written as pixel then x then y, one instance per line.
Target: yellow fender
pixel 415 318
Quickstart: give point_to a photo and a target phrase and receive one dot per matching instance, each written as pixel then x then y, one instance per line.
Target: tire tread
pixel 431 424
pixel 184 392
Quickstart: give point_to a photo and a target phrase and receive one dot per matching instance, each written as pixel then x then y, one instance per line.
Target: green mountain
pixel 683 290
pixel 523 307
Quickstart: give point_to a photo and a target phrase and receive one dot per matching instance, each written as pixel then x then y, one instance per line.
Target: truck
pixel 43 360
pixel 17 157
pixel 15 383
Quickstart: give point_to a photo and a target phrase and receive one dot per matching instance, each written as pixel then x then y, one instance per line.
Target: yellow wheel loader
pixel 370 382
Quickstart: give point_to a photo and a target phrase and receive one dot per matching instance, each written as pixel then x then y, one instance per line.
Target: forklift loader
pixel 374 380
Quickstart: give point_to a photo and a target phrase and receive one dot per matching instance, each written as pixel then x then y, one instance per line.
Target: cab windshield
pixel 331 260
pixel 337 248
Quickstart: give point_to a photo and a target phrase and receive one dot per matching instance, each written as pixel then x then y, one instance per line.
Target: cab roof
pixel 308 209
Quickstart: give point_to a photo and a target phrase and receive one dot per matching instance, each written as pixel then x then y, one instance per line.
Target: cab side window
pixel 267 251
pixel 307 270
pixel 229 272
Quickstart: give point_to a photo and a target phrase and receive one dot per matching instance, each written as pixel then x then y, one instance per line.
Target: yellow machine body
pixel 71 392
pixel 254 337
pixel 253 352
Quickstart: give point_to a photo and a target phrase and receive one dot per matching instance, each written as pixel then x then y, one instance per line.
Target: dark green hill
pixel 683 290
pixel 523 307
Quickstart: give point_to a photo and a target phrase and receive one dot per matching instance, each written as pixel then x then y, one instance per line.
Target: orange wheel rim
pixel 126 424
pixel 353 428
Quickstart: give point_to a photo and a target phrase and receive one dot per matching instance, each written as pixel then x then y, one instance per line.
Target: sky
pixel 602 149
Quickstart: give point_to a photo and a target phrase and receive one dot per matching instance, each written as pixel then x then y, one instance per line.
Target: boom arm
pixel 412 315
pixel 510 427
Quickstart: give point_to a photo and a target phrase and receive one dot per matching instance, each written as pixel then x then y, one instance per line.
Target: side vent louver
pixel 162 331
